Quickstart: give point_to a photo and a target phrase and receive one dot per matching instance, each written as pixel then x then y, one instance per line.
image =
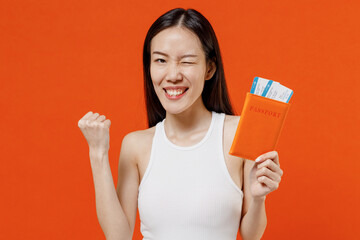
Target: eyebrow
pixel 183 56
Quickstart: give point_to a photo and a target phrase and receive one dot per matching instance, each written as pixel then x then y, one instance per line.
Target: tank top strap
pixel 156 142
pixel 219 120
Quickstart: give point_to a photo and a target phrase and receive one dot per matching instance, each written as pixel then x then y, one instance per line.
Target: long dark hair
pixel 215 95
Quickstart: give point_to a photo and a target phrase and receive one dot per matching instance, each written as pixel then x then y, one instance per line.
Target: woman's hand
pixel 266 174
pixel 96 131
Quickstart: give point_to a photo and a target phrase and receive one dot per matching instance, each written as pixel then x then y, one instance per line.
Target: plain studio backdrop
pixel 61 59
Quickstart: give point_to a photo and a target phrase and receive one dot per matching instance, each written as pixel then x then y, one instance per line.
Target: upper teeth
pixel 174 92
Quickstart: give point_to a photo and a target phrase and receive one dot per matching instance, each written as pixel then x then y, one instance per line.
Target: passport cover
pixel 259 128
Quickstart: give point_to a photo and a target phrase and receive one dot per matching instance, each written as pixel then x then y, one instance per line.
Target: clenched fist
pixel 96 131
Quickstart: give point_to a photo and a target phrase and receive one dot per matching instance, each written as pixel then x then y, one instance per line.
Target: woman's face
pixel 178 68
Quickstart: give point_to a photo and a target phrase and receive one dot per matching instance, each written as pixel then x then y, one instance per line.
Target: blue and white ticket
pixel 270 89
pixel 260 86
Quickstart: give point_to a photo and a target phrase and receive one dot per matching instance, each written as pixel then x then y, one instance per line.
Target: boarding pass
pixel 271 89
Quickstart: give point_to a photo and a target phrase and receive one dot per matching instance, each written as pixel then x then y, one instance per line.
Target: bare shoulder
pixel 230 125
pixel 133 146
pixel 232 120
pixel 138 141
pixel 140 136
pixel 233 163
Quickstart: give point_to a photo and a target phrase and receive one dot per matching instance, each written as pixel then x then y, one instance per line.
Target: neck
pixel 194 118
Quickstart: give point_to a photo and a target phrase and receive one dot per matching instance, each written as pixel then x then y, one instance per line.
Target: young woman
pixel 178 171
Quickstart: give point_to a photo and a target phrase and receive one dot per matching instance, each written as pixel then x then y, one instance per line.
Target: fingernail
pixel 258 159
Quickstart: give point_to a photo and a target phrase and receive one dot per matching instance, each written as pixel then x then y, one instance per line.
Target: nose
pixel 173 73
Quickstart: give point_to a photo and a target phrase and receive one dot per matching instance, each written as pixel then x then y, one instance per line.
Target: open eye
pixel 160 60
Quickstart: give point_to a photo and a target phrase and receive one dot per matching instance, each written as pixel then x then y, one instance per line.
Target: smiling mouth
pixel 175 92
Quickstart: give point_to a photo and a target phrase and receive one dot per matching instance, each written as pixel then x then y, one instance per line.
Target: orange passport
pixel 260 125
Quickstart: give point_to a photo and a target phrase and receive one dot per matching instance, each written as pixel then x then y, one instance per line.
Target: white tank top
pixel 187 193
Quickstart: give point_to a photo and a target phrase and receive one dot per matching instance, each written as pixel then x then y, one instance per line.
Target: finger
pixel 268 173
pixel 270 165
pixel 107 123
pixel 269 155
pixel 93 117
pixel 272 185
pixel 81 122
pixel 86 116
pixel 101 118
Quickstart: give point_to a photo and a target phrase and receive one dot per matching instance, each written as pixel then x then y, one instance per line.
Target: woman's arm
pixel 254 220
pixel 260 178
pixel 110 212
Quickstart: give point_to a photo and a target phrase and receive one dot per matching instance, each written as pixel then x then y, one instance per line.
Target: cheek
pixel 196 75
pixel 155 74
pixel 152 75
pixel 156 79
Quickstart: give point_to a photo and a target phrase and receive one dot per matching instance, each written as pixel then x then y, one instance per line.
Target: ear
pixel 210 69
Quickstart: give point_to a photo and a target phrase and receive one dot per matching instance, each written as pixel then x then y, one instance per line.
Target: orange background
pixel 60 59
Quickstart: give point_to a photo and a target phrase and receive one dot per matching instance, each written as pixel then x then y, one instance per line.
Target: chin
pixel 178 106
pixel 174 109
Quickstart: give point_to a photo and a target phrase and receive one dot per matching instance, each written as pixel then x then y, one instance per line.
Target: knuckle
pixel 91 124
pixel 268 162
pixel 273 186
pixel 260 170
